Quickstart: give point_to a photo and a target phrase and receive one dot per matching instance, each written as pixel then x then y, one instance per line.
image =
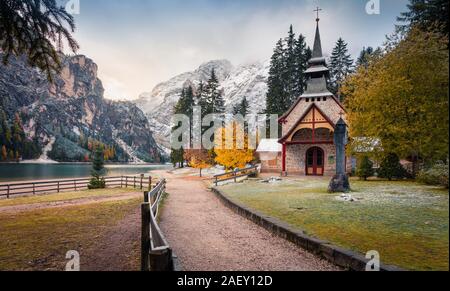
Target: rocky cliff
pixel 66 117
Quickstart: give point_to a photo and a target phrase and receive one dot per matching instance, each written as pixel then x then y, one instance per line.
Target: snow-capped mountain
pixel 247 80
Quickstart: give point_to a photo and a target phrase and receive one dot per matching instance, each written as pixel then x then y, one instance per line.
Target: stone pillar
pixel 340 182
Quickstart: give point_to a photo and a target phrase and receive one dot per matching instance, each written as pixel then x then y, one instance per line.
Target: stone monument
pixel 340 182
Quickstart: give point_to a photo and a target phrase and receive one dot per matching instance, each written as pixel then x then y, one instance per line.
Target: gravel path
pixel 207 236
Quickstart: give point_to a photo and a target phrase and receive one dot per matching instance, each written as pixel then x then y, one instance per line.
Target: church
pixel 307 143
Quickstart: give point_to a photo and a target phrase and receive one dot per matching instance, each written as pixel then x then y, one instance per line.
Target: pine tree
pixel 302 56
pixel 184 106
pixel 341 65
pixel 365 168
pixel 276 98
pixel 391 168
pixel 425 14
pixel 366 56
pixel 38 30
pixel 287 81
pixel 215 103
pixel 290 68
pixel 98 169
pixel 363 59
pixel 242 108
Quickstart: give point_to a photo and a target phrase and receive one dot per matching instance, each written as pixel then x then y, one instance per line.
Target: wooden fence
pixel 156 254
pixel 65 185
pixel 235 175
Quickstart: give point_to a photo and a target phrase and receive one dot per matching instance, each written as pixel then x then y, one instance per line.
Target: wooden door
pixel 315 162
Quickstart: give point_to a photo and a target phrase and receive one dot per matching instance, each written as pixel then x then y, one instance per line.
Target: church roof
pixel 300 120
pixel 269 146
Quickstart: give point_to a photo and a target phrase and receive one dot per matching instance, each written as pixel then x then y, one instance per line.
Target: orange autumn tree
pixel 232 147
pixel 198 159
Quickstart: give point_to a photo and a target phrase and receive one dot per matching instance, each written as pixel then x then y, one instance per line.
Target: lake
pixel 23 172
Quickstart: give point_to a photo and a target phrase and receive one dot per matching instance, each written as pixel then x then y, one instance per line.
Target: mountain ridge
pixel 246 80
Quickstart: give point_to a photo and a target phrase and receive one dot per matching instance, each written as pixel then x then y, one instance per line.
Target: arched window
pixel 303 135
pixel 323 135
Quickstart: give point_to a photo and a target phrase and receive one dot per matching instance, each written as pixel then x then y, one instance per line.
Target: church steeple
pixel 317 73
pixel 317 51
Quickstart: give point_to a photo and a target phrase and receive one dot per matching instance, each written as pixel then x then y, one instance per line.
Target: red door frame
pixel 315 150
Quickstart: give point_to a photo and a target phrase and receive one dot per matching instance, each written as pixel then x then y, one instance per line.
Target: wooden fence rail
pixel 57 186
pixel 156 254
pixel 235 175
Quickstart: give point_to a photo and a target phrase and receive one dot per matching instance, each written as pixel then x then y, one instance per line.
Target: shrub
pixel 391 168
pixel 436 175
pixel 365 168
pixel 98 169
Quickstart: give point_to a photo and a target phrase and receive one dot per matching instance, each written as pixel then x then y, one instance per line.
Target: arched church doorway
pixel 315 162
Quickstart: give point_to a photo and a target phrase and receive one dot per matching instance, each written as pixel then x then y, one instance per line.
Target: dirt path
pixel 207 236
pixel 68 203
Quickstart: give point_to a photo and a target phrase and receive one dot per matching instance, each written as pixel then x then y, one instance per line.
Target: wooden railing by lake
pixel 156 254
pixel 9 190
pixel 235 175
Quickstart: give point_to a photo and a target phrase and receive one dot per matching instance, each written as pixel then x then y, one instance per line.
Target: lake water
pixel 23 172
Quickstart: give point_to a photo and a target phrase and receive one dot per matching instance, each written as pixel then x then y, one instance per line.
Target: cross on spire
pixel 317 10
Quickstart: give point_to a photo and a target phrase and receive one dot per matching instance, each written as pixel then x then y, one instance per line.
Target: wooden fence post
pixel 142 178
pixel 7 193
pixel 34 189
pixel 150 183
pixel 75 183
pixel 121 181
pixel 134 185
pixel 57 191
pixel 146 200
pixel 126 182
pixel 145 237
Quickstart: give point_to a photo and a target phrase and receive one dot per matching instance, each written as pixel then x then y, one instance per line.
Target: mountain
pixel 65 120
pixel 247 80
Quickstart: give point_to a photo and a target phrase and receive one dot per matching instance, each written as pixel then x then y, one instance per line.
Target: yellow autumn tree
pixel 401 99
pixel 232 147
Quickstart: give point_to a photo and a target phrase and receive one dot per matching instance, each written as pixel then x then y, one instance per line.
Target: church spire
pixel 317 51
pixel 317 72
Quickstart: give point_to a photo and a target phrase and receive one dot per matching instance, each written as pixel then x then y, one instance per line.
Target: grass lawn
pixel 39 239
pixel 405 222
pixel 65 196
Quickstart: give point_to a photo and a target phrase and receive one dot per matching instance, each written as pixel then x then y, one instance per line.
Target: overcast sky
pixel 139 43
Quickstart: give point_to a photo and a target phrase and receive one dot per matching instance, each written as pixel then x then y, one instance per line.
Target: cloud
pixel 139 43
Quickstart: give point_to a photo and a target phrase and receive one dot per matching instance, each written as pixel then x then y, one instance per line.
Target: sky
pixel 140 43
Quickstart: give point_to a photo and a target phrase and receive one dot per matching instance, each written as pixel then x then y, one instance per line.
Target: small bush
pixel 365 168
pixel 436 175
pixel 390 168
pixel 97 183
